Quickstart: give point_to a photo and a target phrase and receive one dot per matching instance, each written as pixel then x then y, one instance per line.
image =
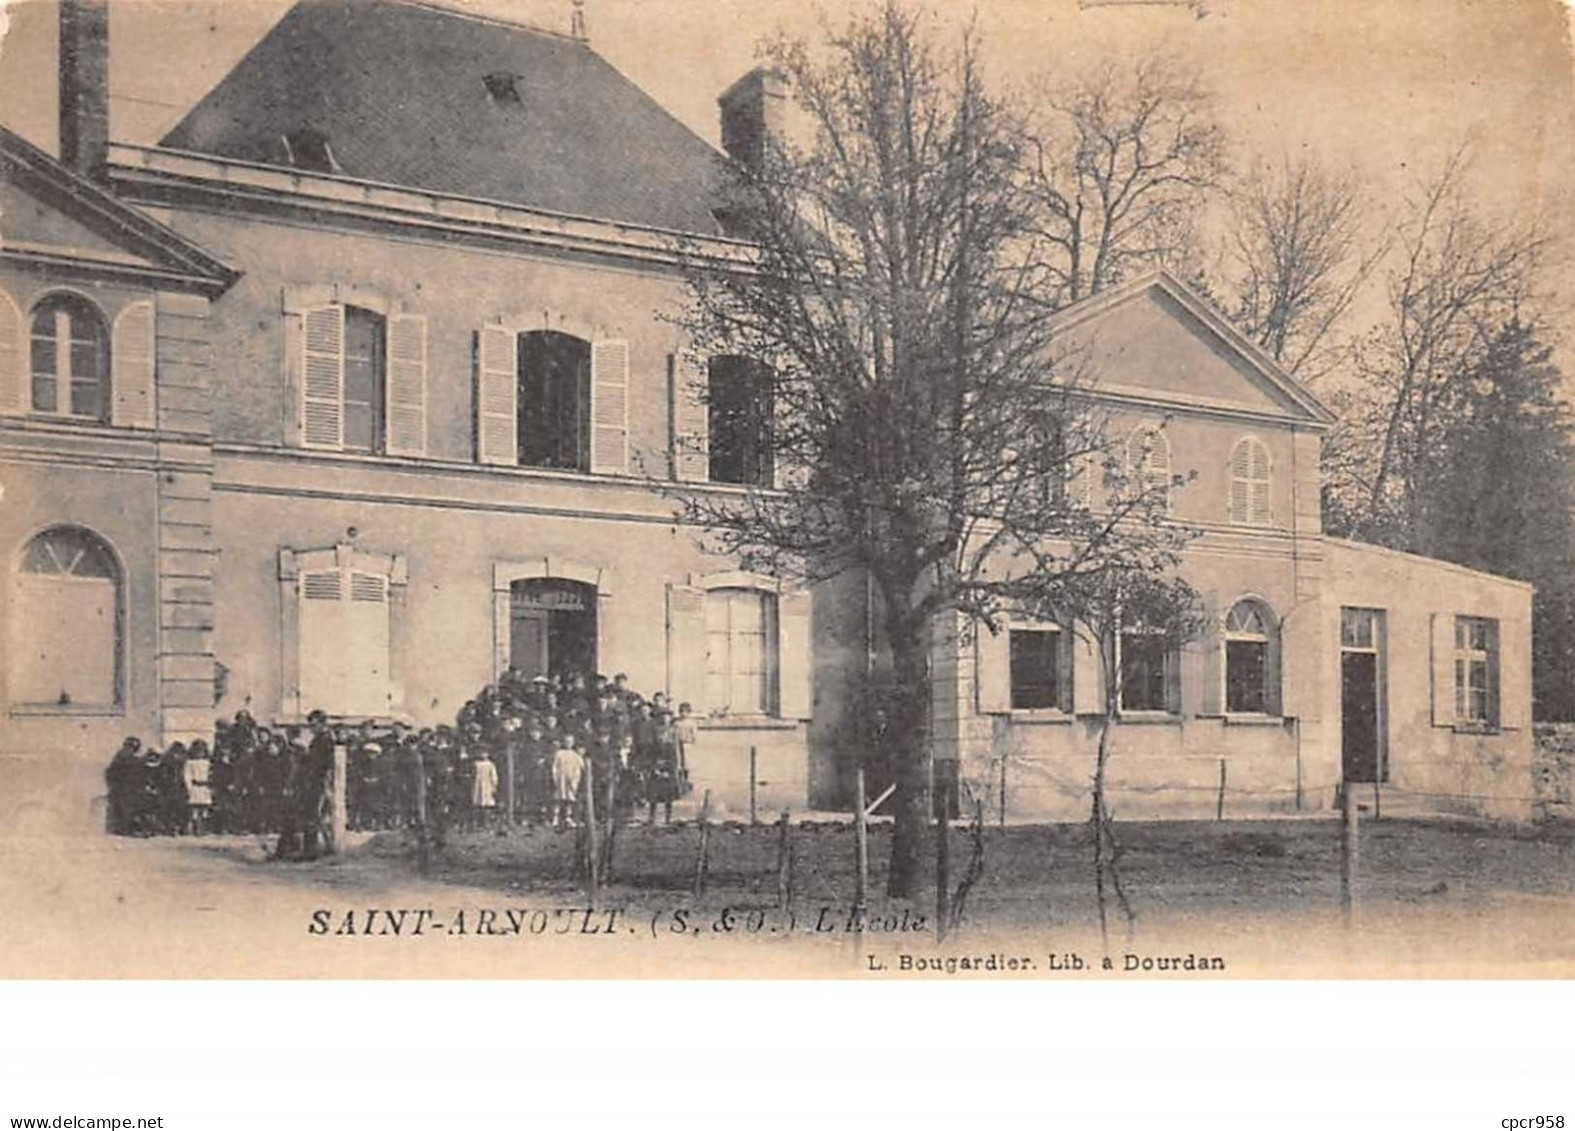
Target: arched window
pixel 1249 482
pixel 1148 462
pixel 1251 667
pixel 66 622
pixel 70 358
pixel 554 405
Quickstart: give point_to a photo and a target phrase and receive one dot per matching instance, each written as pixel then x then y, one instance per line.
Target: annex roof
pixel 411 94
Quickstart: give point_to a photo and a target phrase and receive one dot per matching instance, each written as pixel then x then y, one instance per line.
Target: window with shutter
pixel 323 377
pixel 1148 463
pixel 407 385
pixel 344 642
pixel 497 386
pixel 1249 483
pixel 132 346
pixel 554 395
pixel 741 651
pixel 1249 660
pixel 365 345
pixel 688 413
pixel 740 416
pixel 13 361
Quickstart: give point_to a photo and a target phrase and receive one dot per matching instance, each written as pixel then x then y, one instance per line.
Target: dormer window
pixel 503 87
pixel 308 149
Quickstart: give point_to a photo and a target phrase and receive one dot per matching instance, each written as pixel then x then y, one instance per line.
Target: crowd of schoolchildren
pixel 519 751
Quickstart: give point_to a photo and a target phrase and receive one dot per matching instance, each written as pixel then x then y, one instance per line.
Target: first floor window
pixel 741 661
pixel 1146 671
pixel 1248 669
pixel 66 622
pixel 739 407
pixel 364 380
pixel 554 404
pixel 70 359
pixel 1036 669
pixel 1476 670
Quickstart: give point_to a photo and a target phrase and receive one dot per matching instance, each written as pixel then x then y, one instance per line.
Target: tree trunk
pixel 911 758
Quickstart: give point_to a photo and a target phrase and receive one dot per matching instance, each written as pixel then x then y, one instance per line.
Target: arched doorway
pixel 552 627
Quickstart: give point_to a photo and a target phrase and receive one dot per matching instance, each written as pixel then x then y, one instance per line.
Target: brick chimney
pixel 753 109
pixel 84 84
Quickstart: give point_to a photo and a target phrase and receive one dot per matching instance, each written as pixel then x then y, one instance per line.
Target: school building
pixel 360 388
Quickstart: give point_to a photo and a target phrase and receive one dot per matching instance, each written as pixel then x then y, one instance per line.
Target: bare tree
pixel 1461 275
pixel 896 298
pixel 1300 254
pixel 1121 159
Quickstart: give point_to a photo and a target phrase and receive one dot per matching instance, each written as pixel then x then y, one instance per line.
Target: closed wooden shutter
pixel 795 660
pixel 131 353
pixel 992 667
pixel 497 393
pixel 686 653
pixel 365 647
pixel 689 397
pixel 1514 672
pixel 323 377
pixel 407 385
pixel 1442 635
pixel 1259 509
pixel 610 407
pixel 322 640
pixel 1240 479
pixel 13 358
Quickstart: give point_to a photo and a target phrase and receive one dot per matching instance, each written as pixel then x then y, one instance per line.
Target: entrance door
pixel 552 628
pixel 1361 696
pixel 528 642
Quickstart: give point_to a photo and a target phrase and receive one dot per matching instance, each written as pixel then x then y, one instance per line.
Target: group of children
pixel 522 751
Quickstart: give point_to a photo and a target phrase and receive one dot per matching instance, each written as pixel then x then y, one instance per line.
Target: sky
pixel 1387 88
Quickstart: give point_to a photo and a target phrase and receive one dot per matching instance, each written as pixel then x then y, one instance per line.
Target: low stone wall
pixel 1553 770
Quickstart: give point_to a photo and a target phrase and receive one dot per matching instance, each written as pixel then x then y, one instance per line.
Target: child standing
pixel 483 789
pixel 567 767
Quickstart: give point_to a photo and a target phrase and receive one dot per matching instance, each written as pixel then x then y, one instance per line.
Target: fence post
pixel 338 810
pixel 423 835
pixel 702 862
pixel 1219 807
pixel 861 844
pixel 943 872
pixel 610 843
pixel 1350 860
pixel 784 862
pixel 508 781
pixel 1003 792
pixel 753 780
pixel 592 860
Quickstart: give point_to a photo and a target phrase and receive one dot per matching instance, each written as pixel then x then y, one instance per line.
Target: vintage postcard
pixel 1043 489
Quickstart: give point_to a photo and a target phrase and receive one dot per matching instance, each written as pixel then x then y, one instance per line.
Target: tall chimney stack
pixel 754 109
pixel 84 84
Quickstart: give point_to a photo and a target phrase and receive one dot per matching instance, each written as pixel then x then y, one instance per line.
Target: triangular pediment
pixel 1157 340
pixel 51 215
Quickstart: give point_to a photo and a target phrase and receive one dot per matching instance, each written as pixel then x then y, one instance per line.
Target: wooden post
pixel 702 858
pixel 784 862
pixel 1219 807
pixel 943 872
pixel 508 782
pixel 753 780
pixel 1003 793
pixel 612 821
pixel 338 810
pixel 592 857
pixel 1350 860
pixel 861 844
pixel 1378 800
pixel 423 836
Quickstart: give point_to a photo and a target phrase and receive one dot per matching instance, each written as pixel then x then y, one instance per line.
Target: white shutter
pixel 131 353
pixel 1087 688
pixel 686 657
pixel 14 366
pixel 1443 642
pixel 323 377
pixel 1240 486
pixel 1259 508
pixel 610 407
pixel 795 656
pixel 322 641
pixel 1514 671
pixel 688 396
pixel 365 646
pixel 407 385
pixel 497 390
pixel 992 669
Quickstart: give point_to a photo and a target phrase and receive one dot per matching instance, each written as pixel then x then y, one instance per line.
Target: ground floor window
pixel 1148 671
pixel 1476 670
pixel 1036 669
pixel 1249 668
pixel 66 622
pixel 741 659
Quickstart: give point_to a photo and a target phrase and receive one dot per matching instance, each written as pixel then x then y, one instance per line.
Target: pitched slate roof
pixel 400 89
pixel 157 253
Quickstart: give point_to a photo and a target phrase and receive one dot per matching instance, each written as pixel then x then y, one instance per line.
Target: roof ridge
pixel 445 9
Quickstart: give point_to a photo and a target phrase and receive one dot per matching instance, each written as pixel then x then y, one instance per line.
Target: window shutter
pixel 688 396
pixel 323 377
pixel 795 659
pixel 364 649
pixel 407 385
pixel 686 646
pixel 1088 697
pixel 1240 474
pixel 1443 637
pixel 610 407
pixel 497 390
pixel 1209 648
pixel 13 358
pixel 131 354
pixel 322 640
pixel 992 656
pixel 1514 663
pixel 1259 508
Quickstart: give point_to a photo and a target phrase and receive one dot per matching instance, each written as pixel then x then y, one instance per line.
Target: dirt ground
pixel 1254 899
